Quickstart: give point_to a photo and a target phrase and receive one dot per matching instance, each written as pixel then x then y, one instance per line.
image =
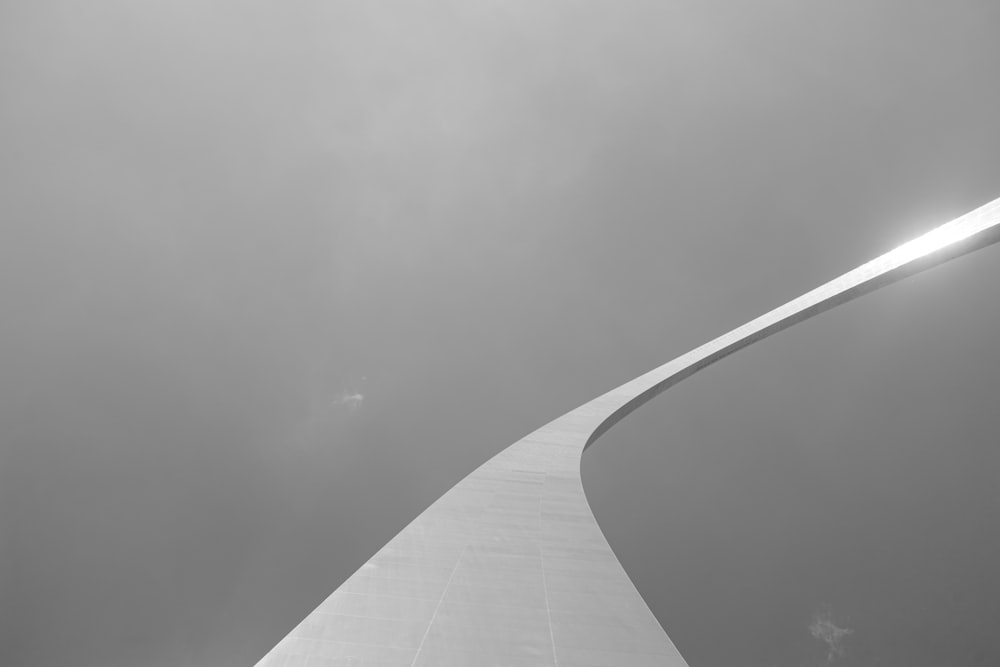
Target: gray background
pixel 224 223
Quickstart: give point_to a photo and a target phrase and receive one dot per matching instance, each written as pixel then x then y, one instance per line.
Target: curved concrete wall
pixel 510 568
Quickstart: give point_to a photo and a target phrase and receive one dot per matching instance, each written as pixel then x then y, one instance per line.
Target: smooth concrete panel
pixel 509 567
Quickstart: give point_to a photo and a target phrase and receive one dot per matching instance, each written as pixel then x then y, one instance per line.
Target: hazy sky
pixel 273 276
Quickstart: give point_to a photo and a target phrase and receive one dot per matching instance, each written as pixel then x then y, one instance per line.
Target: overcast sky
pixel 274 275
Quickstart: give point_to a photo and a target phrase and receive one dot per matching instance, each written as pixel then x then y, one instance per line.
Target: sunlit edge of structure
pixel 976 229
pixel 934 240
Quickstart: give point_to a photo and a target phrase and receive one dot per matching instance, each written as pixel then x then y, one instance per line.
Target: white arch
pixel 509 567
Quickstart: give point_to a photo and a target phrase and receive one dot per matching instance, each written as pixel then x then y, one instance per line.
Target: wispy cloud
pixel 349 401
pixel 824 629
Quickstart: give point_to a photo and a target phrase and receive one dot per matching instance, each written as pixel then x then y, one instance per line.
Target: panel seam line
pixel 444 592
pixel 548 611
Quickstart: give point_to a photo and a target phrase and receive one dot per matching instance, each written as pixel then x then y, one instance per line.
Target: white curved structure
pixel 510 568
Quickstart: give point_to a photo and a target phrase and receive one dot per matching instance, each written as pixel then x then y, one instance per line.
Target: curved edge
pixel 510 566
pixel 975 230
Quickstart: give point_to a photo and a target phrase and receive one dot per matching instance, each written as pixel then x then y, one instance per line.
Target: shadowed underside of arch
pixel 509 567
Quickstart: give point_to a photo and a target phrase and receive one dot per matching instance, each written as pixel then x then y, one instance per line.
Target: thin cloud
pixel 349 401
pixel 824 629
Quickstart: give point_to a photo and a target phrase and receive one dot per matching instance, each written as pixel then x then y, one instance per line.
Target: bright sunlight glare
pixel 937 238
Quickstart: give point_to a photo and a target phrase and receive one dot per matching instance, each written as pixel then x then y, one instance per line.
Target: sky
pixel 273 276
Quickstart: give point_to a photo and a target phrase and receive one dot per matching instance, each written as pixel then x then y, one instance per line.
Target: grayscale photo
pixel 499 333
